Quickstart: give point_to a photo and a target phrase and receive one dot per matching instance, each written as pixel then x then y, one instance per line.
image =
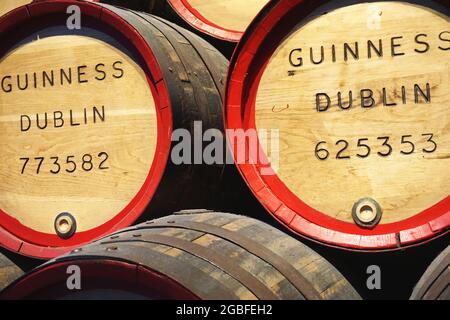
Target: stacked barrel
pixel 91 122
pixel 363 135
pixel 334 114
pixel 195 255
pixel 435 284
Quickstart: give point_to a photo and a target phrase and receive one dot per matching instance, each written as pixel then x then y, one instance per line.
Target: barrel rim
pixel 199 22
pixel 148 280
pixel 42 245
pixel 246 69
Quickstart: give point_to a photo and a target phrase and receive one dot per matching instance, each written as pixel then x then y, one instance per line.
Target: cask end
pixel 349 101
pixel 191 255
pixel 435 283
pixel 86 121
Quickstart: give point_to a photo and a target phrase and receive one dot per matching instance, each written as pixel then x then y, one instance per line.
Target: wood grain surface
pixel 214 255
pixel 9 271
pixel 435 282
pixel 105 113
pixel 400 99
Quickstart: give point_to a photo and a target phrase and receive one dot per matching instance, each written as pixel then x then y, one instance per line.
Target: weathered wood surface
pixel 435 283
pixel 219 256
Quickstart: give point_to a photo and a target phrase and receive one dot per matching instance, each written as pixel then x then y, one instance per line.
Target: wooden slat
pixel 435 282
pixel 9 271
pixel 219 260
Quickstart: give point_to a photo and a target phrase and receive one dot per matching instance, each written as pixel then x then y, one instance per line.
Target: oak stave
pixel 208 255
pixel 9 271
pixel 435 282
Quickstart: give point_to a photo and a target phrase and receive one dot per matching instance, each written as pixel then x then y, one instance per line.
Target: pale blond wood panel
pixel 8 5
pixel 404 185
pixel 234 15
pixel 128 134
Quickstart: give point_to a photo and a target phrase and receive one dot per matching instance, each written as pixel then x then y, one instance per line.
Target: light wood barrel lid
pixel 403 184
pixel 358 95
pixel 93 154
pixel 208 255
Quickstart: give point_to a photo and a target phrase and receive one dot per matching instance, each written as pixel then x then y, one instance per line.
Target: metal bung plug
pixel 367 213
pixel 65 225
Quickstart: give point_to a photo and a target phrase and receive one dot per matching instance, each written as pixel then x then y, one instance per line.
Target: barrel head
pixel 80 127
pixel 350 104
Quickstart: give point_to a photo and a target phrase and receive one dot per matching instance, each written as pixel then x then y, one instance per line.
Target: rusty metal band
pixel 9 271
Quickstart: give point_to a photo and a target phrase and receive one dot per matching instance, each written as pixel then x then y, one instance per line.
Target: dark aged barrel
pixel 220 22
pixel 222 19
pixel 86 120
pixel 9 271
pixel 350 101
pixel 150 6
pixel 195 254
pixel 435 283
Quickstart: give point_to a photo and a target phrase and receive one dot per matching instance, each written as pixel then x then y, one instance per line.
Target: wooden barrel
pixel 191 255
pixel 86 122
pixel 221 19
pixel 9 271
pixel 338 118
pixel 220 22
pixel 435 283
